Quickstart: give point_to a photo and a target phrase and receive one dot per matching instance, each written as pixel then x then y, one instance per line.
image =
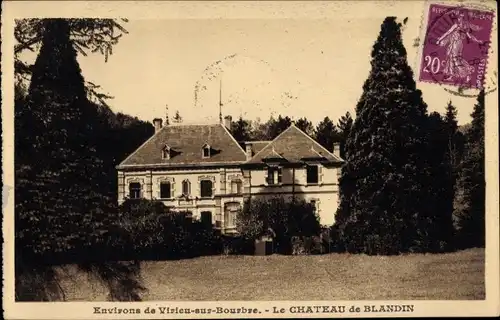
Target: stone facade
pixel 186 180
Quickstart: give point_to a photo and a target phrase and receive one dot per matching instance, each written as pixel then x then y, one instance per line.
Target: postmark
pixel 456 47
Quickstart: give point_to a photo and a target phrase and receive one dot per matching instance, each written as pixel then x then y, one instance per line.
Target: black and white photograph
pixel 235 159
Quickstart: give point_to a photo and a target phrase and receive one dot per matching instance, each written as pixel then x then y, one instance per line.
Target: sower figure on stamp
pixel 456 66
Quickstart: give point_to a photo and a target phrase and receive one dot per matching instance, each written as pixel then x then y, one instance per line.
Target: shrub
pixel 151 230
pixel 280 218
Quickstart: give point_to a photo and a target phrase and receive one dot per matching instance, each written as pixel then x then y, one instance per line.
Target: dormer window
pixel 165 152
pixel 206 151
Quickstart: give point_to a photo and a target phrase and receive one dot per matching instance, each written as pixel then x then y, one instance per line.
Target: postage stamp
pixel 457 41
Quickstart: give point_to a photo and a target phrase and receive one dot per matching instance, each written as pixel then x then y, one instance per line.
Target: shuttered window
pixel 274 175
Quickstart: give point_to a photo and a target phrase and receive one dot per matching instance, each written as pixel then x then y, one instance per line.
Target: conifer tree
pixel 277 126
pixel 442 188
pixel 472 181
pixel 57 169
pixel 87 36
pixel 344 125
pixel 385 206
pixel 326 133
pixel 241 130
pixel 305 125
pixel 452 128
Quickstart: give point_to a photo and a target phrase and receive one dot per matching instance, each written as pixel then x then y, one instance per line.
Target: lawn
pixel 457 276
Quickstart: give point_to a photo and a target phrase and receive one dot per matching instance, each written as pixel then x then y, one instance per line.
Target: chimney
pixel 227 122
pixel 157 122
pixel 248 150
pixel 336 149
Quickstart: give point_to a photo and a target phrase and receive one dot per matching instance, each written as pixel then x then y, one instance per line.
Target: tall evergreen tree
pixel 386 173
pixel 472 182
pixel 442 188
pixel 346 185
pixel 451 122
pixel 305 125
pixel 241 130
pixel 57 168
pixel 326 133
pixel 87 36
pixel 277 126
pixel 344 125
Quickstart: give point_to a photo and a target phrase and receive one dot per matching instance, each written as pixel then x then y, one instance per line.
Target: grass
pixel 452 276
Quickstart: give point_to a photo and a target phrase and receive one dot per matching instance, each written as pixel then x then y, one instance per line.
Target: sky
pixel 297 66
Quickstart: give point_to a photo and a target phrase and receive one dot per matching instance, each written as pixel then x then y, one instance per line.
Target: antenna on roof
pixel 220 101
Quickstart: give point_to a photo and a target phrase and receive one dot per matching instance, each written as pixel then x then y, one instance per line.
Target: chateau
pixel 204 170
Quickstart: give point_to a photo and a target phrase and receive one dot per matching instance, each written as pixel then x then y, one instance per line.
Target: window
pixel 312 174
pixel 206 188
pixel 206 218
pixel 165 190
pixel 165 153
pixel 274 175
pixel 236 186
pixel 206 151
pixel 186 187
pixel 230 219
pixel 230 212
pixel 135 190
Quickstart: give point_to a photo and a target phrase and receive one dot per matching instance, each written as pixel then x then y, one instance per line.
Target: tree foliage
pixel 66 149
pixel 261 131
pixel 442 186
pixel 471 182
pixel 386 207
pixel 277 126
pixel 86 35
pixel 455 139
pixel 305 125
pixel 326 133
pixel 344 126
pixel 241 130
pixel 57 166
pixel 280 218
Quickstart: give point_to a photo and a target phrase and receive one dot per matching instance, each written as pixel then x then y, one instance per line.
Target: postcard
pixel 244 159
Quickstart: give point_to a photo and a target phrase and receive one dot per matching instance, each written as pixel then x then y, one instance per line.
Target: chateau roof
pixel 294 145
pixel 185 142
